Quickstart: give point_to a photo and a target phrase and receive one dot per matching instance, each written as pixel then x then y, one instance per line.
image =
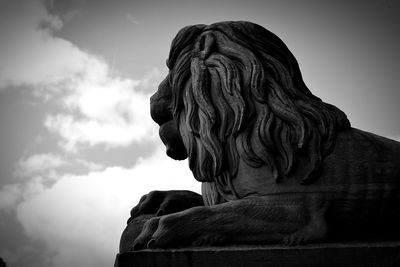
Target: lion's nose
pixel 160 109
pixel 160 103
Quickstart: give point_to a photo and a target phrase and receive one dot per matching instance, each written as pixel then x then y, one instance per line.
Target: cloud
pixel 38 163
pixel 9 197
pixel 91 166
pixel 59 214
pixel 30 54
pixel 102 109
pixel 96 105
pixel 34 174
pixel 12 195
pixel 79 218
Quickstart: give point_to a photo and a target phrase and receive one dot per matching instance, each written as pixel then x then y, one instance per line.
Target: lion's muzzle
pixel 172 140
pixel 160 104
pixel 160 109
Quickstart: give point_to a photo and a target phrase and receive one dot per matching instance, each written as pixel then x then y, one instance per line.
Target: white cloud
pixel 9 196
pixel 79 217
pixel 90 166
pixel 38 163
pixel 112 111
pixel 59 215
pixel 12 195
pixel 34 173
pixel 29 54
pixel 97 105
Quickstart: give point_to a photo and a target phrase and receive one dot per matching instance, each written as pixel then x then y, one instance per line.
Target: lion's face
pixel 160 106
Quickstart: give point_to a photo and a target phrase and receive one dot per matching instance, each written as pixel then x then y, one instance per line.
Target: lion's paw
pixel 166 202
pixel 160 232
pixel 297 238
pixel 316 230
pixel 209 240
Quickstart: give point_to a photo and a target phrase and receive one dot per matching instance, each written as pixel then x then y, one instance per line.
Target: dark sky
pixel 77 142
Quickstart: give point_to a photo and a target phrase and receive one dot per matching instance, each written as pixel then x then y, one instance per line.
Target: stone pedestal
pixel 332 254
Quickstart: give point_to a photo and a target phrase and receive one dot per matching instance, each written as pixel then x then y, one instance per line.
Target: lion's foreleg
pixel 250 220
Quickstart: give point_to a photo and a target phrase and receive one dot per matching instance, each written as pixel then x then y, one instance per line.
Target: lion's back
pixel 362 158
pixel 364 174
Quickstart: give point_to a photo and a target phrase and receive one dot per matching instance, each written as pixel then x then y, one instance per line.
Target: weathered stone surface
pixel 131 231
pixel 277 163
pixel 349 254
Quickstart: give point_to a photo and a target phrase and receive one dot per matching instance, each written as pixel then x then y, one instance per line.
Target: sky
pixel 78 146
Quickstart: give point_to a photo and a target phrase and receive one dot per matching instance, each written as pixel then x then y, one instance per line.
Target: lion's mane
pixel 236 85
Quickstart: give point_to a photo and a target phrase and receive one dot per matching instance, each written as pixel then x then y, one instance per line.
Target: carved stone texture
pixel 151 206
pixel 276 162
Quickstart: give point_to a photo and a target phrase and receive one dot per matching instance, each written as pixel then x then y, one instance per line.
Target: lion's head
pixel 235 90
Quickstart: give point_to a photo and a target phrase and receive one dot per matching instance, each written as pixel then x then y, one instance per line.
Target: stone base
pixel 331 254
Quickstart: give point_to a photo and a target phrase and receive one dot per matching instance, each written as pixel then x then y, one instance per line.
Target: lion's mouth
pixel 172 140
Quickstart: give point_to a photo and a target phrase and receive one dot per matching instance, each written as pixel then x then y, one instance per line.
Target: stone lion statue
pixel 276 163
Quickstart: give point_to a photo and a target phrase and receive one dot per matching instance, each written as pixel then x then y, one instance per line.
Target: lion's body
pixel 359 184
pixel 276 162
pixel 360 163
pixel 363 175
